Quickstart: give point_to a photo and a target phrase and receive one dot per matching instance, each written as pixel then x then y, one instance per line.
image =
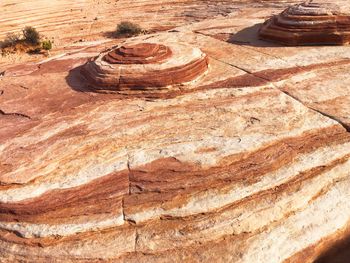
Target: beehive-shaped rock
pixel 145 66
pixel 308 24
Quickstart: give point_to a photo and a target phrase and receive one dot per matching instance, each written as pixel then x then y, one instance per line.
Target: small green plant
pixel 46 44
pixel 31 35
pixel 127 28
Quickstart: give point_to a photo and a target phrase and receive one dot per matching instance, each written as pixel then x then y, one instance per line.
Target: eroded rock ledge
pixel 145 66
pixel 308 24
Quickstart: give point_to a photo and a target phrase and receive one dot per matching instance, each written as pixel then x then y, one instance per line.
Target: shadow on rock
pixel 76 81
pixel 338 253
pixel 250 37
pixel 111 35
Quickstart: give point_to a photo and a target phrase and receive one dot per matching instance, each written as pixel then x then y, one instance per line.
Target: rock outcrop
pixel 145 66
pixel 308 24
pixel 248 164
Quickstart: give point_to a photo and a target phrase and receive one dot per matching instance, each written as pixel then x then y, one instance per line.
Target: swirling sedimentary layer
pixel 248 164
pixel 308 24
pixel 144 53
pixel 51 20
pixel 145 66
pixel 147 186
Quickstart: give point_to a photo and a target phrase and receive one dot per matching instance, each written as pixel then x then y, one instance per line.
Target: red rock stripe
pixel 162 183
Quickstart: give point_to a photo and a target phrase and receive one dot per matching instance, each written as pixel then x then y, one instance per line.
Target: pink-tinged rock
pixel 309 23
pixel 145 66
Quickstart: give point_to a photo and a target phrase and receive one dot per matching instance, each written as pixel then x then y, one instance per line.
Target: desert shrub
pixel 10 40
pixel 128 28
pixel 29 42
pixel 46 44
pixel 31 35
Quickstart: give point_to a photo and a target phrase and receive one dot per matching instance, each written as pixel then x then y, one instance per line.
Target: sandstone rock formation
pixel 309 23
pixel 248 164
pixel 145 66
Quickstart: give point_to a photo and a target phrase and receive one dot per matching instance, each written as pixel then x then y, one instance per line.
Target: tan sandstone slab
pixel 249 163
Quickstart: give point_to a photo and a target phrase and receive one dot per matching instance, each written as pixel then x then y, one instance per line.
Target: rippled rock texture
pixel 145 66
pixel 309 23
pixel 250 163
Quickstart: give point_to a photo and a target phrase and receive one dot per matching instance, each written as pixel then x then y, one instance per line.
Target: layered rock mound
pixel 145 66
pixel 308 24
